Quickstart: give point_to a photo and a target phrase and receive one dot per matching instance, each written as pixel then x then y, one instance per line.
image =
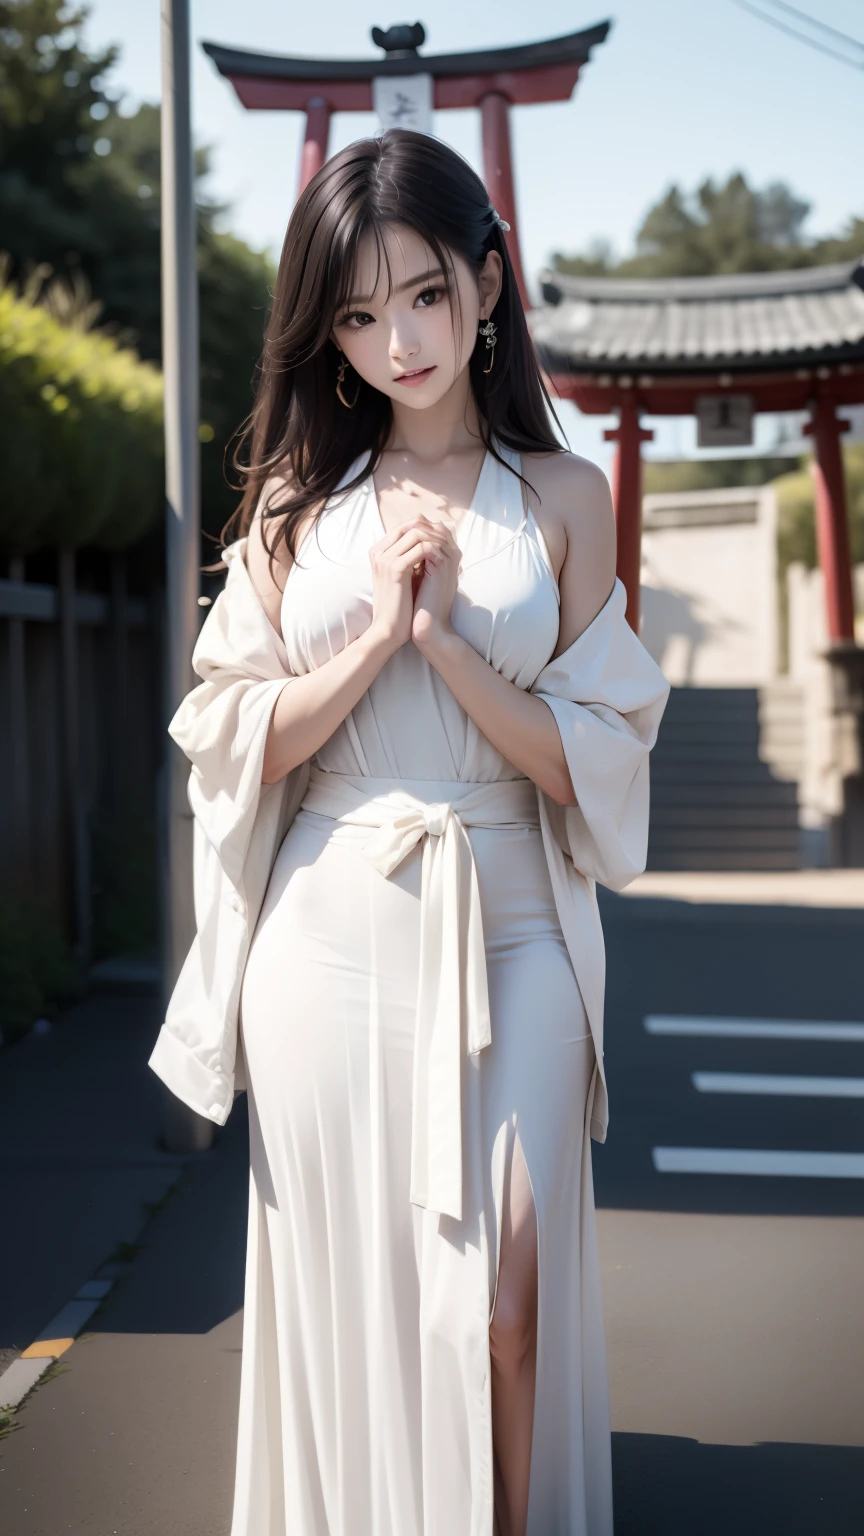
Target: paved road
pixel 732 1303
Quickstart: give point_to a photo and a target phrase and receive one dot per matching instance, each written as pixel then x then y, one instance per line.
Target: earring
pixel 488 330
pixel 340 380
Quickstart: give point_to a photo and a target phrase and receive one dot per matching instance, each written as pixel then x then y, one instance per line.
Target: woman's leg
pixel 513 1349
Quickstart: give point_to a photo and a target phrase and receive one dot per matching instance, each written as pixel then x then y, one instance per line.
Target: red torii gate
pixel 773 341
pixel 492 80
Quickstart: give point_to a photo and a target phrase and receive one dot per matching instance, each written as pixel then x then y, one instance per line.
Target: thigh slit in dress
pixel 365 1404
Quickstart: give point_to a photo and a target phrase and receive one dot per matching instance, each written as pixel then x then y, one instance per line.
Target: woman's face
pixel 409 344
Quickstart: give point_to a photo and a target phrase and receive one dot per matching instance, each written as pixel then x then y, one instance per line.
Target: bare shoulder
pixel 576 518
pixel 571 491
pixel 269 576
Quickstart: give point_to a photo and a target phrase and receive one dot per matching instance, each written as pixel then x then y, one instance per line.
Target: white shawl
pixel 607 696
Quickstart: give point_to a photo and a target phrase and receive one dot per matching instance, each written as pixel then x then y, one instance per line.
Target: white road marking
pixel 807 1165
pixel 758 1082
pixel 754 1029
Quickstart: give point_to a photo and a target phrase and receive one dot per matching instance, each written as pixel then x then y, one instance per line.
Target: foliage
pixel 665 476
pixel 234 285
pixel 80 190
pixel 51 104
pixel 731 227
pixel 796 518
pixel 67 198
pixel 38 969
pixel 82 436
pixel 797 513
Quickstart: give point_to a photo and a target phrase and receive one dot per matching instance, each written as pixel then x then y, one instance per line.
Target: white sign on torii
pixel 404 101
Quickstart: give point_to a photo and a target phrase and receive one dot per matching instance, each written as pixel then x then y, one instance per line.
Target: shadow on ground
pixel 666 1486
pixel 188 1276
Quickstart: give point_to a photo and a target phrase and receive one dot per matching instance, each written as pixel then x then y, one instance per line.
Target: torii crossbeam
pixel 492 79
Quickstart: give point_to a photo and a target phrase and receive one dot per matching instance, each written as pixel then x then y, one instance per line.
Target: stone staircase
pixel 724 779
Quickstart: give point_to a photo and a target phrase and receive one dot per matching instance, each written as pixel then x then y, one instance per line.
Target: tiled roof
pixel 751 320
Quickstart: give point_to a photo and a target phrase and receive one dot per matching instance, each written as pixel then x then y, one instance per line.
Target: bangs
pixel 373 224
pixel 367 225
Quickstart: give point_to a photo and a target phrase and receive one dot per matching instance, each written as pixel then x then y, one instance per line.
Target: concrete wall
pixel 709 586
pixel 830 747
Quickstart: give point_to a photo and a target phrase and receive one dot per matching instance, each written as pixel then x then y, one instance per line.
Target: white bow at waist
pixel 453 987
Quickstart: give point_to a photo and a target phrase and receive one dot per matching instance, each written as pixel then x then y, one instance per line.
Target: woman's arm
pixel 577 522
pixel 309 708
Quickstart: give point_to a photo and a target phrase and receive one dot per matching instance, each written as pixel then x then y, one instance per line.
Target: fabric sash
pixel 453 993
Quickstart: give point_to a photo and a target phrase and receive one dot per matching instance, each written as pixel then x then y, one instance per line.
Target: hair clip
pixel 502 222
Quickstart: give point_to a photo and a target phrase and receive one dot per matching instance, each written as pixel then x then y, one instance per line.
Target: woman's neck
pixel 452 425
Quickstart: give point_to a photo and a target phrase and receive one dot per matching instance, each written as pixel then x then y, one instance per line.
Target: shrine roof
pixel 744 321
pixel 573 48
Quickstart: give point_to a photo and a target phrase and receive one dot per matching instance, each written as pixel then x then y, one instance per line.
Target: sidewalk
pixel 80 1118
pixel 787 888
pixel 135 1432
pixel 81 1165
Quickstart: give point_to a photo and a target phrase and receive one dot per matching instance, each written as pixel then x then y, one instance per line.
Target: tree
pixel 729 227
pixel 51 106
pixel 80 191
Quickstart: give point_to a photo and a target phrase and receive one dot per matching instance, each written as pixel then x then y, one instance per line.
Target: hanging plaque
pixel 724 421
pixel 404 101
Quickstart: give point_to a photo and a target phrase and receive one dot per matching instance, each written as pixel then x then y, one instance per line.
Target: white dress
pixel 377 1174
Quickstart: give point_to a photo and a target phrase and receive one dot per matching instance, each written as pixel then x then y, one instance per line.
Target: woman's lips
pixel 419 377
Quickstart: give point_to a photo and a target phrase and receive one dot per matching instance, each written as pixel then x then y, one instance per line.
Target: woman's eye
pixel 428 297
pixel 359 319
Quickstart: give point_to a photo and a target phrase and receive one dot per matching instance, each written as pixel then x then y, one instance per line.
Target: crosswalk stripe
pixel 759 1082
pixel 755 1029
pixel 807 1165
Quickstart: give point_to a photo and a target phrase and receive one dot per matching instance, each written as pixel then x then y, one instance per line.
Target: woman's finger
pixel 409 540
pixel 412 550
pixel 419 524
pixel 415 556
pixel 393 534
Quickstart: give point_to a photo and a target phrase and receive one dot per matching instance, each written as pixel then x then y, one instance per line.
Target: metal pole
pixel 184 1130
pixel 19 747
pixel 119 642
pixel 76 807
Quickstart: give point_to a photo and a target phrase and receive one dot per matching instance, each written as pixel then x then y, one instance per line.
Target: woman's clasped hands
pixel 415 570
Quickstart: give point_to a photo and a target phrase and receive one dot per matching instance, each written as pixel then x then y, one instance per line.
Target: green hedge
pixel 81 426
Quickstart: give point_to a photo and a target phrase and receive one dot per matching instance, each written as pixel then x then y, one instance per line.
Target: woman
pixel 422 645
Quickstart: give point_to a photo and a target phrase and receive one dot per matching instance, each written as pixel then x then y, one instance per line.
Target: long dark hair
pixel 298 428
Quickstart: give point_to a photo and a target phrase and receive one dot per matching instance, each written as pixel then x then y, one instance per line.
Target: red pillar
pixel 627 499
pixel 314 151
pixel 832 523
pixel 498 170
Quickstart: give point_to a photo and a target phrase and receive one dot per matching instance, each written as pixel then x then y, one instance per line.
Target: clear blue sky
pixel 681 90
